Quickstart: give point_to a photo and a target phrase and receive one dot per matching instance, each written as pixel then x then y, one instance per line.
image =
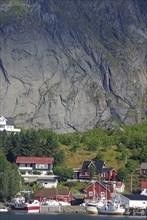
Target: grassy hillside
pixel 118 147
pixel 75 159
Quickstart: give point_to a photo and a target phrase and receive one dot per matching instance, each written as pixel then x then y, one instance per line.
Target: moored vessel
pixel 111 208
pixel 20 206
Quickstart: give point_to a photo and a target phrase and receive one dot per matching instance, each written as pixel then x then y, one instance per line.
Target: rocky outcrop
pixel 73 65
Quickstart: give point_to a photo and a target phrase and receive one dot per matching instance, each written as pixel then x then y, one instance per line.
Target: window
pixel 90 193
pixel 102 193
pixel 22 165
pixel 41 166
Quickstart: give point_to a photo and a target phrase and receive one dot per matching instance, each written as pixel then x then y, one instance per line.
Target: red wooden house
pixel 97 190
pixel 54 194
pixel 99 168
pixel 143 168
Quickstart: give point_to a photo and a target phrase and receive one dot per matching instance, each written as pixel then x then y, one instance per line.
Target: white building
pixel 133 201
pixel 38 169
pixel 7 124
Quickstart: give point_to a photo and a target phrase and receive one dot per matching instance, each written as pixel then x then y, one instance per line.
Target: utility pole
pixel 131 182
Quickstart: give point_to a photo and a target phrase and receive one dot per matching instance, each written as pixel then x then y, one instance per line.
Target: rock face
pixel 73 65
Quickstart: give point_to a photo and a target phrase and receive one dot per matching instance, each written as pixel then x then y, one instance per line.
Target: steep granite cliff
pixel 72 65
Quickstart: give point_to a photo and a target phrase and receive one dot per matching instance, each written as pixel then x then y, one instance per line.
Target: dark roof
pixel 50 193
pixel 98 165
pixel 10 121
pixel 107 170
pixel 85 165
pixel 135 197
pixel 144 166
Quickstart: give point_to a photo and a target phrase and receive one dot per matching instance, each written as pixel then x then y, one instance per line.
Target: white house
pixel 144 188
pixel 7 124
pixel 133 201
pixel 120 187
pixel 37 169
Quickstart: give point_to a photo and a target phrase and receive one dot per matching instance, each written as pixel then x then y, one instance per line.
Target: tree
pixel 132 165
pixel 64 172
pixel 92 171
pixel 9 179
pixel 122 174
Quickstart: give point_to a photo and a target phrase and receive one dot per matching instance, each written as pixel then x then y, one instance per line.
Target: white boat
pixel 91 208
pixel 19 206
pixel 111 208
pixel 4 209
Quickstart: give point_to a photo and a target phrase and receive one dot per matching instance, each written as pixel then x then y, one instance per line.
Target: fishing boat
pixel 91 208
pixel 111 208
pixel 20 206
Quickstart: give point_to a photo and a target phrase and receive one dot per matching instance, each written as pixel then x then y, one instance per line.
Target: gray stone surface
pixel 73 65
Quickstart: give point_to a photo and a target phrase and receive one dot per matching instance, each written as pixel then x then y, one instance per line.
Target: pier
pixel 136 212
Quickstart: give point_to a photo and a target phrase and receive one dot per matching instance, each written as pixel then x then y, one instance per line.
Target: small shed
pixel 134 201
pixel 62 195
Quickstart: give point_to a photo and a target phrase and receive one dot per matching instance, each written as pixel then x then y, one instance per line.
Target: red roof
pixel 45 192
pixel 38 160
pixel 119 184
pixel 144 184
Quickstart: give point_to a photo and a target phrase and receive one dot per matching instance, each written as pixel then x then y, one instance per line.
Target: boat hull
pixel 33 209
pixel 111 212
pixel 26 207
pixel 92 210
pixel 3 210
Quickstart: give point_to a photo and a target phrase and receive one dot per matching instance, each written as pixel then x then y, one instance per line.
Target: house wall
pixel 48 183
pixel 95 191
pixel 143 171
pixel 133 203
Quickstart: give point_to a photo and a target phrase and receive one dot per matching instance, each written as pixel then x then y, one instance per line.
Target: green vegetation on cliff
pixel 117 146
pixel 123 148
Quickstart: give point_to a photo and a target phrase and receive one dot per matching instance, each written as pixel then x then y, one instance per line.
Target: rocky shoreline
pixel 73 209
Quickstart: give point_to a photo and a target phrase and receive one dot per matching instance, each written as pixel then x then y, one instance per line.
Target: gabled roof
pixel 9 120
pixel 119 184
pixel 98 165
pixel 85 165
pixel 144 184
pixel 50 193
pixel 36 160
pixel 107 170
pixel 97 182
pixel 3 118
pixel 135 197
pixel 144 166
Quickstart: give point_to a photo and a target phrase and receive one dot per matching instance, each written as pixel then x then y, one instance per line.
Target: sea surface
pixel 10 216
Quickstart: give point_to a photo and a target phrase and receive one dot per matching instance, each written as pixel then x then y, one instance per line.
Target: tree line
pixel 45 142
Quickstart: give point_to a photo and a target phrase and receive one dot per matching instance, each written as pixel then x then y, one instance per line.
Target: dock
pixel 62 209
pixel 136 212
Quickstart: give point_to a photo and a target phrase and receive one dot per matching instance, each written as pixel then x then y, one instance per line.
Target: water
pixel 10 216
